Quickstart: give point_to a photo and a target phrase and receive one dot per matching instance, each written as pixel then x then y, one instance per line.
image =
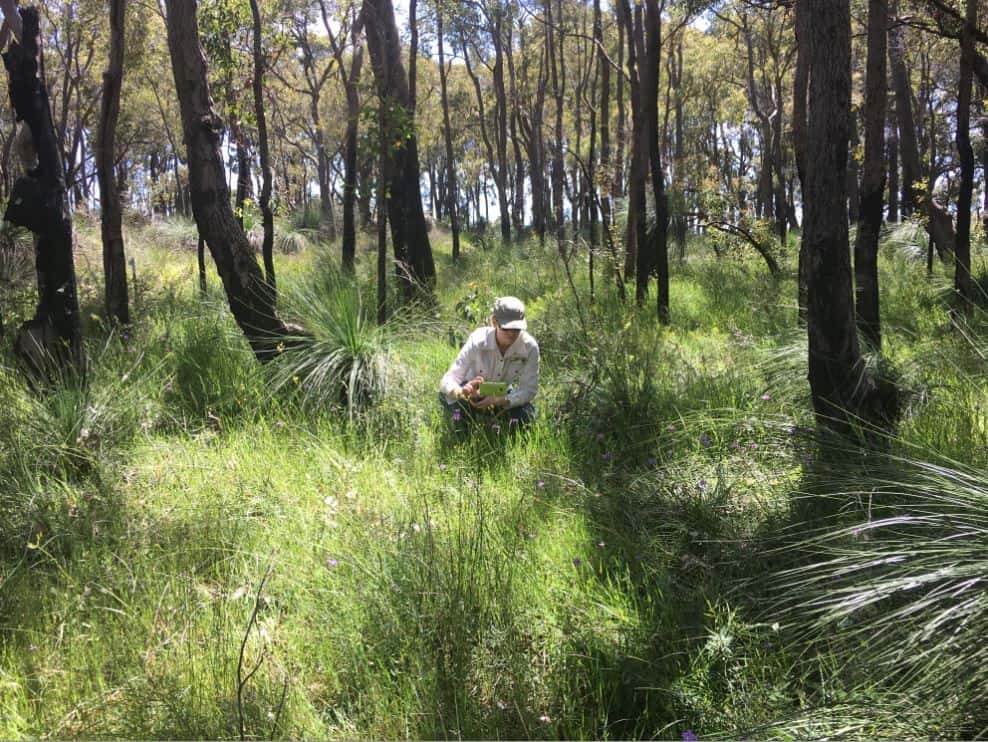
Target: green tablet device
pixel 492 388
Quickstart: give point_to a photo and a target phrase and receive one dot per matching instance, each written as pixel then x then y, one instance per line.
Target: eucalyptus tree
pixel 873 178
pixel 260 116
pixel 317 64
pixel 348 36
pixel 400 164
pixel 449 195
pixel 250 297
pixel 841 386
pixel 114 260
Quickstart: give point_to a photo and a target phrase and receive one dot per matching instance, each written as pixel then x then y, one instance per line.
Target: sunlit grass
pixel 614 571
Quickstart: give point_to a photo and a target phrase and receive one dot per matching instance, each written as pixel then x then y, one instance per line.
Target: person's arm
pixel 451 385
pixel 528 381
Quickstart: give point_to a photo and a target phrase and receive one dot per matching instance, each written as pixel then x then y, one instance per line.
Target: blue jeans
pixel 460 414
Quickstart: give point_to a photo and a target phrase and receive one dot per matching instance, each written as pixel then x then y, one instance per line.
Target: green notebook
pixel 492 388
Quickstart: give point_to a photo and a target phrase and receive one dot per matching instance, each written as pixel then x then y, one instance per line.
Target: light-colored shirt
pixel 480 356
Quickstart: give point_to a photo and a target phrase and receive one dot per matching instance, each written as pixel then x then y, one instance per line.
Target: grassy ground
pixel 193 546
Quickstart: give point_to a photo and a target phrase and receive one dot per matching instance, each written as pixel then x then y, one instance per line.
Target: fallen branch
pixel 738 231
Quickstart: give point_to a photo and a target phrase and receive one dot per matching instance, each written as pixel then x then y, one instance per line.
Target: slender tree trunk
pixel 409 234
pixel 604 66
pixel 938 221
pixel 501 123
pixel 893 169
pixel 267 216
pixel 962 255
pixel 554 28
pixel 650 100
pixel 800 92
pixel 250 297
pixel 907 127
pixel 873 180
pixel 114 260
pixel 450 191
pixel 622 132
pixel 382 221
pixel 637 168
pixel 534 144
pixel 52 339
pixel 518 202
pixel 839 382
pixel 201 263
pixel 853 196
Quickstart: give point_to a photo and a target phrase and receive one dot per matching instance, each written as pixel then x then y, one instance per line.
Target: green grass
pixel 647 559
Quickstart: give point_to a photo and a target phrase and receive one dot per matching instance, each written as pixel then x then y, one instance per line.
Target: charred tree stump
pixel 52 340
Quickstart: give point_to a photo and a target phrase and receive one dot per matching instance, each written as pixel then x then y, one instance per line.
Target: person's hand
pixel 468 390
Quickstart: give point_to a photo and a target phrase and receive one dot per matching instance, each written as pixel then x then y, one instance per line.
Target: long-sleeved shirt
pixel 480 356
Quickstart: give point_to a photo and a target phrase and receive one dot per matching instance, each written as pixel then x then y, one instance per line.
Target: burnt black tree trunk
pixel 114 260
pixel 250 296
pixel 872 188
pixel 52 339
pixel 839 382
pixel 267 216
pixel 409 233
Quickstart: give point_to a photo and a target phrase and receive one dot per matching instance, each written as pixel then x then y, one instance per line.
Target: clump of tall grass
pixel 61 435
pixel 897 590
pixel 292 241
pixel 213 377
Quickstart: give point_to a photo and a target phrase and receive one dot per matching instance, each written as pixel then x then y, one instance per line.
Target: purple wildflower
pixel 701 485
pixel 689 736
pixel 442 467
pixel 766 397
pixel 457 415
pixel 651 461
pixel 753 446
pixel 606 456
pixel 670 427
pixel 705 440
pixel 496 428
pixel 332 563
pixel 540 484
pixel 577 561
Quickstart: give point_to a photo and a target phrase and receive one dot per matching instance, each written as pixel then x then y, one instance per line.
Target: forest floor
pixel 195 546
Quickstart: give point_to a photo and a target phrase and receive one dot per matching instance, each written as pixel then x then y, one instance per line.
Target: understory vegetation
pixel 194 545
